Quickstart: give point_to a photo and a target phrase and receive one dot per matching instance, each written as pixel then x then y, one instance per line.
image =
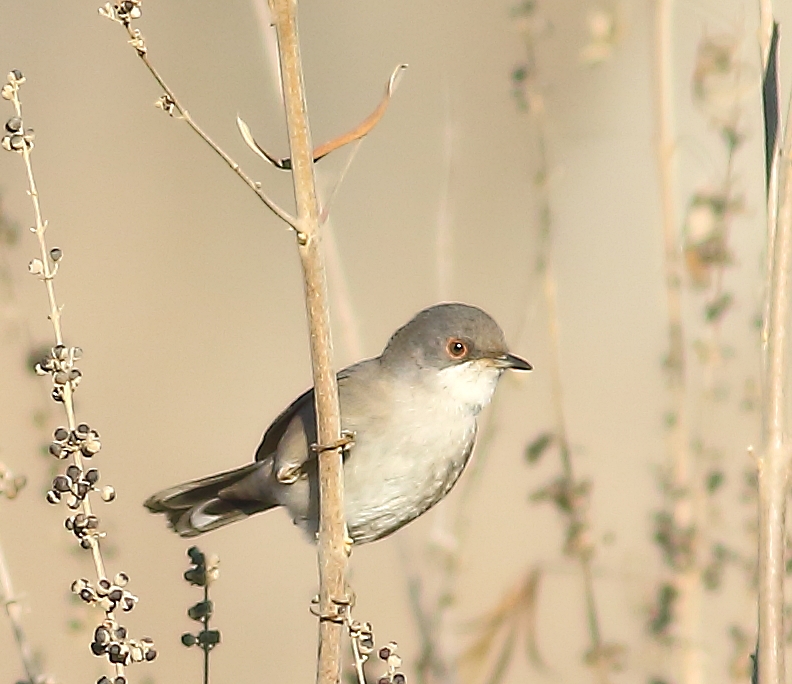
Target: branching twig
pixel 124 13
pixel 77 441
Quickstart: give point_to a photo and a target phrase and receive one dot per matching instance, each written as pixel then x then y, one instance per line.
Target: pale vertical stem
pixel 48 275
pixel 350 330
pixel 339 285
pixel 765 29
pixel 584 555
pixel 687 582
pixel 773 462
pixel 443 234
pixel 14 612
pixel 331 554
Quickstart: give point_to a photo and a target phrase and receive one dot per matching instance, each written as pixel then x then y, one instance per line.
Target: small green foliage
pixel 715 479
pixel 9 230
pixel 732 138
pixel 714 310
pixel 569 496
pixel 202 572
pixel 536 448
pixel 675 542
pixel 200 611
pixel 663 612
pixel 523 9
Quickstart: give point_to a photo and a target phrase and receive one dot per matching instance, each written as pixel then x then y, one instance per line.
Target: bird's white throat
pixel 470 385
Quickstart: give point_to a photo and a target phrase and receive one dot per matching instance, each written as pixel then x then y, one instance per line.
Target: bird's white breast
pixel 417 454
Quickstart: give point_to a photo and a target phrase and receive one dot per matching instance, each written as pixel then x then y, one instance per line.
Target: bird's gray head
pixel 462 344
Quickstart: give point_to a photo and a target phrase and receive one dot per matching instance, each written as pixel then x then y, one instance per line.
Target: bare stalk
pixel 579 545
pixel 171 104
pixel 686 578
pixel 332 555
pixel 774 459
pixel 14 612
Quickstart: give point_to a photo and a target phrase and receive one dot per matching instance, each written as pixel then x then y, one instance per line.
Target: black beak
pixel 513 362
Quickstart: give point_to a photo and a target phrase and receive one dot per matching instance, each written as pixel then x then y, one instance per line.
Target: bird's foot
pixel 347 441
pixel 337 608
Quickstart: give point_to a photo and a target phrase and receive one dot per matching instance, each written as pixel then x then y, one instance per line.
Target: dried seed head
pixel 61 484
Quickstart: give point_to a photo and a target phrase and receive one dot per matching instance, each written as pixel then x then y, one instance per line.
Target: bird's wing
pixel 301 408
pixel 288 440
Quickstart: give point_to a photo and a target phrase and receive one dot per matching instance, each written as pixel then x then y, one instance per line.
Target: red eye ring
pixel 456 348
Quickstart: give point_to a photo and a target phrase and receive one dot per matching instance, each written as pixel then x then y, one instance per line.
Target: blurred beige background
pixel 186 296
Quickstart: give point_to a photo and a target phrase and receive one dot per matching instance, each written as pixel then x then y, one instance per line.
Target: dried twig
pixel 77 441
pixel 124 13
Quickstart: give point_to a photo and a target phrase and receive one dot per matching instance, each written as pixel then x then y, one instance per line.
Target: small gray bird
pixel 412 412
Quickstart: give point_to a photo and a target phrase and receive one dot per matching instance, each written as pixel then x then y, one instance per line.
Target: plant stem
pixel 142 52
pixel 773 462
pixel 332 555
pixel 206 649
pixel 14 612
pixel 684 493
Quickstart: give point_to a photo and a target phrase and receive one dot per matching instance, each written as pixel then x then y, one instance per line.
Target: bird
pixel 411 413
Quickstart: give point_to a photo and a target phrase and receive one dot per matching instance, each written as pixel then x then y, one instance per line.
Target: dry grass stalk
pixel 684 488
pixel 774 458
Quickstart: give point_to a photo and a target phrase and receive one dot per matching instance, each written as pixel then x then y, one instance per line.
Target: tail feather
pixel 199 506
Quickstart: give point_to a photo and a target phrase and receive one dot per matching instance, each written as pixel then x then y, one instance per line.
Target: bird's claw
pixel 337 611
pixel 347 441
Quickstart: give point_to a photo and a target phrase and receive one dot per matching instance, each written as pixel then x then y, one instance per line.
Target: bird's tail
pixel 199 506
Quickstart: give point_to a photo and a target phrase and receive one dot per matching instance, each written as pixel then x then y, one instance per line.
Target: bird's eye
pixel 456 348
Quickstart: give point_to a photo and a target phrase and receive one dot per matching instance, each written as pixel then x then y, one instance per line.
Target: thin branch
pixel 171 104
pixel 77 441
